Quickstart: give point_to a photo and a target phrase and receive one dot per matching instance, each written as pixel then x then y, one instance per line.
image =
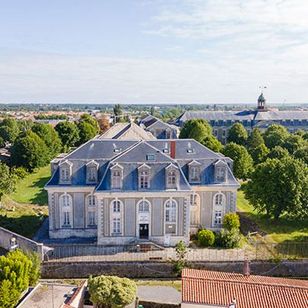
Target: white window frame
pixel 174 214
pixel 116 178
pixel 116 215
pixel 219 206
pixel 144 178
pixel 66 210
pixel 91 207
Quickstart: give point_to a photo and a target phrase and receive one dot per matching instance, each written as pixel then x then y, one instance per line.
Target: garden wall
pixel 61 270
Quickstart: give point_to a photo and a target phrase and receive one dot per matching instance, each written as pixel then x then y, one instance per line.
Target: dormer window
pixel 172 177
pixel 116 177
pixel 150 157
pixel 194 170
pixel 92 168
pixel 144 172
pixel 221 174
pixel 220 171
pixel 65 172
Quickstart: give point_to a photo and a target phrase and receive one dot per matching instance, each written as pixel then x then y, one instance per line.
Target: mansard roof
pixel 131 154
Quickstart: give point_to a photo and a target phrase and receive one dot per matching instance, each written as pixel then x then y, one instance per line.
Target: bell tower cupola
pixel 261 102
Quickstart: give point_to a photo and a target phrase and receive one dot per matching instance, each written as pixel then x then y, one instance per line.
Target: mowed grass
pixel 31 188
pixel 282 230
pixel 176 284
pixel 24 210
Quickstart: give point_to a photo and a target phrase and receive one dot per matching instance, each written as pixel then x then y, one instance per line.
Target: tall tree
pixel 278 152
pixel 86 132
pixel 103 123
pixel 259 153
pixel 9 130
pixel 212 143
pixel 302 154
pixel 7 180
pixel 68 133
pixel 51 138
pixel 197 129
pixel 237 134
pixel 279 186
pixel 242 161
pixel 293 143
pixel 275 135
pixel 29 151
pixel 117 111
pixel 255 139
pixel 91 120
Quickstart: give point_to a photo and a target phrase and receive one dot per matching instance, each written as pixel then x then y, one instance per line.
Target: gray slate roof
pixel 131 154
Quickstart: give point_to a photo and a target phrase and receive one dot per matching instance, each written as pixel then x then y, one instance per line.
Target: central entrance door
pixel 144 231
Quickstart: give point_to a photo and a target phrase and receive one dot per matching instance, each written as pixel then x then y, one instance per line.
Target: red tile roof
pixel 220 288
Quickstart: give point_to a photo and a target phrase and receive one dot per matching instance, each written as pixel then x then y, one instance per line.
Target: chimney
pixel 246 268
pixel 172 149
pixel 232 304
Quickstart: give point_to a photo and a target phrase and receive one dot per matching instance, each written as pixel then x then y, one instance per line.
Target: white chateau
pixel 128 186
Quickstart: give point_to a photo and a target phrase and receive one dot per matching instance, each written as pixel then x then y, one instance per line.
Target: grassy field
pixel 24 210
pixel 166 283
pixel 278 231
pixel 30 189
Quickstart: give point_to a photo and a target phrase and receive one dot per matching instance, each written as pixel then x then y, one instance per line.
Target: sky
pixel 153 51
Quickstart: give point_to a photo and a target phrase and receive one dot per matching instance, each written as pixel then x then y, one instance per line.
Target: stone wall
pixel 22 242
pixel 61 270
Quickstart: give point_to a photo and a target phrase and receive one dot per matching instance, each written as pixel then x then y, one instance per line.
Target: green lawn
pixel 283 230
pixel 24 210
pixel 166 283
pixel 30 189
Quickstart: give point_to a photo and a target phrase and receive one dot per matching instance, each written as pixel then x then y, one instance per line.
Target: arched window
pixel 219 202
pixel 91 210
pixel 116 217
pixel 116 206
pixel 144 206
pixel 219 199
pixel 66 205
pixel 170 211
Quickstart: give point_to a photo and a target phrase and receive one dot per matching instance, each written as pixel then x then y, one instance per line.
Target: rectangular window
pixel 218 218
pixel 194 174
pixel 150 157
pixel 92 173
pixel 66 218
pixel 116 206
pixel 144 180
pixel 116 179
pixel 116 229
pixel 91 218
pixel 65 174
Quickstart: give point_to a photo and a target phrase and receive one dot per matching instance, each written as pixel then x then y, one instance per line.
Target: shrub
pixel 206 238
pixel 112 291
pixel 231 221
pixel 180 262
pixel 20 172
pixel 228 238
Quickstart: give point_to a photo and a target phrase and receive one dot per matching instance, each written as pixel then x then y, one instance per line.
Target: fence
pixel 258 251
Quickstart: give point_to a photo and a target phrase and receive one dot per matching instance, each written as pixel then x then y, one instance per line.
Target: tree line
pixel 273 165
pixel 33 145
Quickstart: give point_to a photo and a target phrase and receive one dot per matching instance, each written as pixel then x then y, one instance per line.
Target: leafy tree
pixel 9 130
pixel 197 129
pixel 255 139
pixel 180 262
pixel 259 153
pixel 117 110
pixel 293 143
pixel 231 221
pixel 206 238
pixel 68 133
pixel 86 132
pixel 212 143
pixel 30 151
pixel 51 138
pixel 302 154
pixel 278 152
pixel 104 124
pixel 111 291
pixel 237 134
pixel 275 135
pixel 228 238
pixel 279 186
pixel 242 161
pixel 91 120
pixel 7 180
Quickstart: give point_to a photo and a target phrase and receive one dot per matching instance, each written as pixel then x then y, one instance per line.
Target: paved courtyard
pixel 159 294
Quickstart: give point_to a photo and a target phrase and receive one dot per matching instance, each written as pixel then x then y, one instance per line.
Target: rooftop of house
pixel 221 288
pixel 127 131
pixel 131 154
pixel 151 121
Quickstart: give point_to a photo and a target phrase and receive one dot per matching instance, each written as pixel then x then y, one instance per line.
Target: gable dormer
pixel 144 176
pixel 65 170
pixel 220 171
pixel 116 176
pixel 172 175
pixel 194 172
pixel 92 172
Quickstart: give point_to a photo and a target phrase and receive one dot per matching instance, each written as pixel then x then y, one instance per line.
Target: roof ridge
pixel 263 283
